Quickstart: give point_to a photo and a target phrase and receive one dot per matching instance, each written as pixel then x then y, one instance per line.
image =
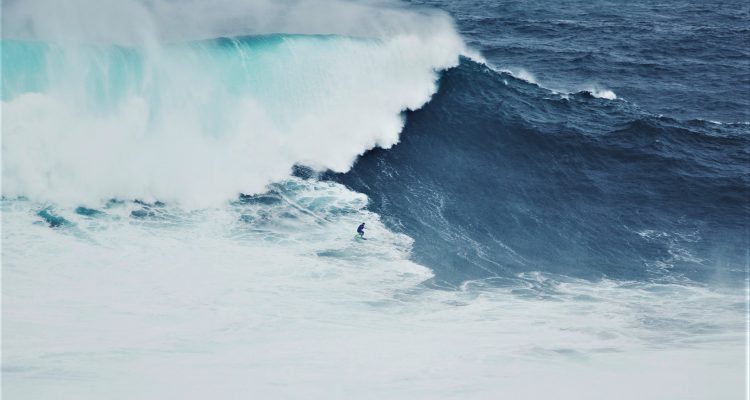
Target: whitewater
pixel 190 119
pixel 167 232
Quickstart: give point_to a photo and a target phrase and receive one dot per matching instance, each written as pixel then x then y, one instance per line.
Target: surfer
pixel 361 230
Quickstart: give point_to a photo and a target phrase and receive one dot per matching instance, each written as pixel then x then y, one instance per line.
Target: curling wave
pixel 195 123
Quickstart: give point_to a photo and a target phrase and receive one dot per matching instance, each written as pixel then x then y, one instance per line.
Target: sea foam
pixel 197 118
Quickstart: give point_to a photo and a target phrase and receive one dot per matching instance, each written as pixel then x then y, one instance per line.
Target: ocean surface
pixel 556 198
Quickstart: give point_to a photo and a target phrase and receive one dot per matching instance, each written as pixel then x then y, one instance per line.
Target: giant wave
pixel 167 232
pixel 198 122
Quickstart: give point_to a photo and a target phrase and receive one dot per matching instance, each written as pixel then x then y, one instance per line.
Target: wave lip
pixel 526 76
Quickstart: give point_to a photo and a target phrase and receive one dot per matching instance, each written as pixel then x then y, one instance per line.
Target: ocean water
pixel 556 199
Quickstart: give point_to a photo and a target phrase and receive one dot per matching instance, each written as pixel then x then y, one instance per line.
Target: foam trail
pixel 524 75
pixel 521 74
pixel 197 122
pixel 261 296
pixel 601 93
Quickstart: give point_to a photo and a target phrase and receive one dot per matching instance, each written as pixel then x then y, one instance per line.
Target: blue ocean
pixel 556 198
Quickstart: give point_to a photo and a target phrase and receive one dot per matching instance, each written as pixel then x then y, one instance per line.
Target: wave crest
pixel 197 123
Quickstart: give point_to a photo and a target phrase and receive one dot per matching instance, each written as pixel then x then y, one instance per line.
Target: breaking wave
pixel 197 122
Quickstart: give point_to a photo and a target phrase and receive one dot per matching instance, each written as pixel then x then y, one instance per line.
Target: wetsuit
pixel 361 229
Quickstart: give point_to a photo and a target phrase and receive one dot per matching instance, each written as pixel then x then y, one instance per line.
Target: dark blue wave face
pixel 497 176
pixel 681 58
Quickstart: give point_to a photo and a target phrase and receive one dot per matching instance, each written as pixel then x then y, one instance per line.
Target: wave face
pixel 498 176
pixel 197 123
